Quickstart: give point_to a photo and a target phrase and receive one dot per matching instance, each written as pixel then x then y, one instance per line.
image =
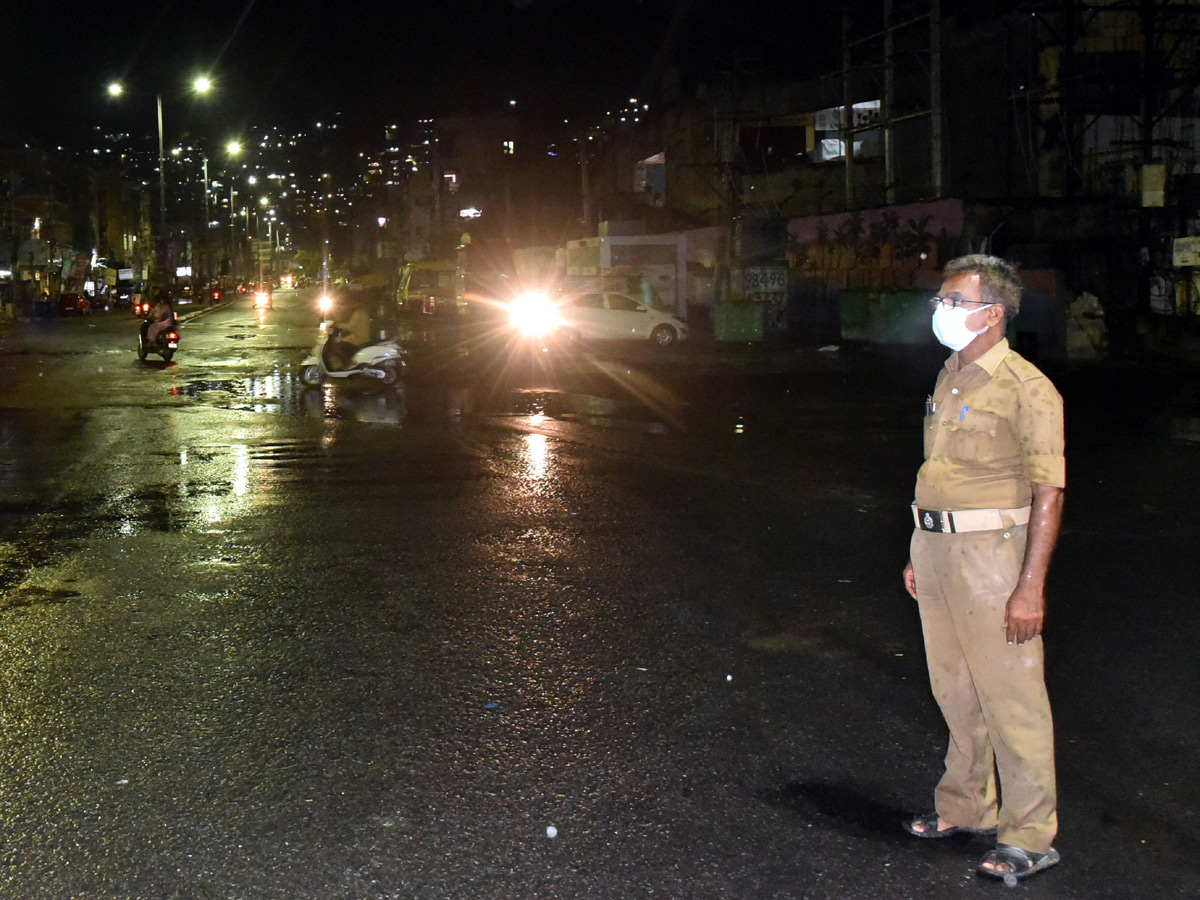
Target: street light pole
pixel 232 149
pixel 206 234
pixel 116 89
pixel 262 201
pixel 162 174
pixel 233 247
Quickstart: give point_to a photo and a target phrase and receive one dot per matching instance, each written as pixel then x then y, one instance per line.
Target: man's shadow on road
pixel 848 806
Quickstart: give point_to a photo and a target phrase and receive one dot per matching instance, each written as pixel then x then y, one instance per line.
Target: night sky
pixel 292 62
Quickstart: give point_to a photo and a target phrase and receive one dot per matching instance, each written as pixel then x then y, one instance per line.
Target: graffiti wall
pixel 888 249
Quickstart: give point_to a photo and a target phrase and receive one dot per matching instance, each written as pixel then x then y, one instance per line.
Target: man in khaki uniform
pixel 989 500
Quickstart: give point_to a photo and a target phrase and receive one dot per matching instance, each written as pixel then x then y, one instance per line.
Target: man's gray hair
pixel 998 280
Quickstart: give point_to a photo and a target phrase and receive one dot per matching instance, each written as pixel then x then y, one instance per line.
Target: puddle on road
pixel 203 486
pixel 281 393
pixel 36 596
pixel 586 408
pixel 51 532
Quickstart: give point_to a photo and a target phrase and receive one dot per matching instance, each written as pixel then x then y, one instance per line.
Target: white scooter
pixel 382 362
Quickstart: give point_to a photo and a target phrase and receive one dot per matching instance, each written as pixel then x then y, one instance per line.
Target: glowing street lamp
pixel 201 85
pixel 263 202
pixel 232 149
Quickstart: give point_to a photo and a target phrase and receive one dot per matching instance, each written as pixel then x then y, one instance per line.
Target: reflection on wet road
pixel 281 393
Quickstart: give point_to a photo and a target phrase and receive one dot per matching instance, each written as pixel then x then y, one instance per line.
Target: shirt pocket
pixel 931 427
pixel 974 437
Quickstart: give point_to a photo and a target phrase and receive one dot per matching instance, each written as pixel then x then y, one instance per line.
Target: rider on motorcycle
pixel 162 317
pixel 349 335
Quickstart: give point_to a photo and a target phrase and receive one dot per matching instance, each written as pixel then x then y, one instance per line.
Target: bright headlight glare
pixel 533 314
pixel 325 303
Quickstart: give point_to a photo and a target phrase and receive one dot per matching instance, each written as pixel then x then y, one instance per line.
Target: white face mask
pixel 950 327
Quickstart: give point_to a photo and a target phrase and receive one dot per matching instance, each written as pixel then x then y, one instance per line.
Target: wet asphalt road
pixel 614 624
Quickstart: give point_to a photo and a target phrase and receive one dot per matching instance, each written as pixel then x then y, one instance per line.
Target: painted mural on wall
pixel 887 249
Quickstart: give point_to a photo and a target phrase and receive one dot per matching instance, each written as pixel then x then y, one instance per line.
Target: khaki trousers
pixel 992 694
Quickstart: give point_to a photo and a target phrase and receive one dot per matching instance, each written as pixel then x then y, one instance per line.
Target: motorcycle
pixel 165 344
pixel 262 297
pixel 384 362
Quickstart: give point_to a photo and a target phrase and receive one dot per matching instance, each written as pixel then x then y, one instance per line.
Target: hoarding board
pixel 1185 252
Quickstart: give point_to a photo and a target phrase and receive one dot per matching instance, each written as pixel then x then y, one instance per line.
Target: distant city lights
pixel 216 183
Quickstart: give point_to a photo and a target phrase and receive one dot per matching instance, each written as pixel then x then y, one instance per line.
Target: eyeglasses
pixel 953 301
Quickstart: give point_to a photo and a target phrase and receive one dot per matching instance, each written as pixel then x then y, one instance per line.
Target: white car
pixel 610 315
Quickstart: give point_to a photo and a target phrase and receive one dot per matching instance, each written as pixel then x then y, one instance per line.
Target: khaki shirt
pixel 995 428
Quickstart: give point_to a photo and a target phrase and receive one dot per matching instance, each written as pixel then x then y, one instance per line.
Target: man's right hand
pixel 910 580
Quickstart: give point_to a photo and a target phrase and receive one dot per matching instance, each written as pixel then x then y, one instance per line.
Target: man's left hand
pixel 1025 612
pixel 1024 615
